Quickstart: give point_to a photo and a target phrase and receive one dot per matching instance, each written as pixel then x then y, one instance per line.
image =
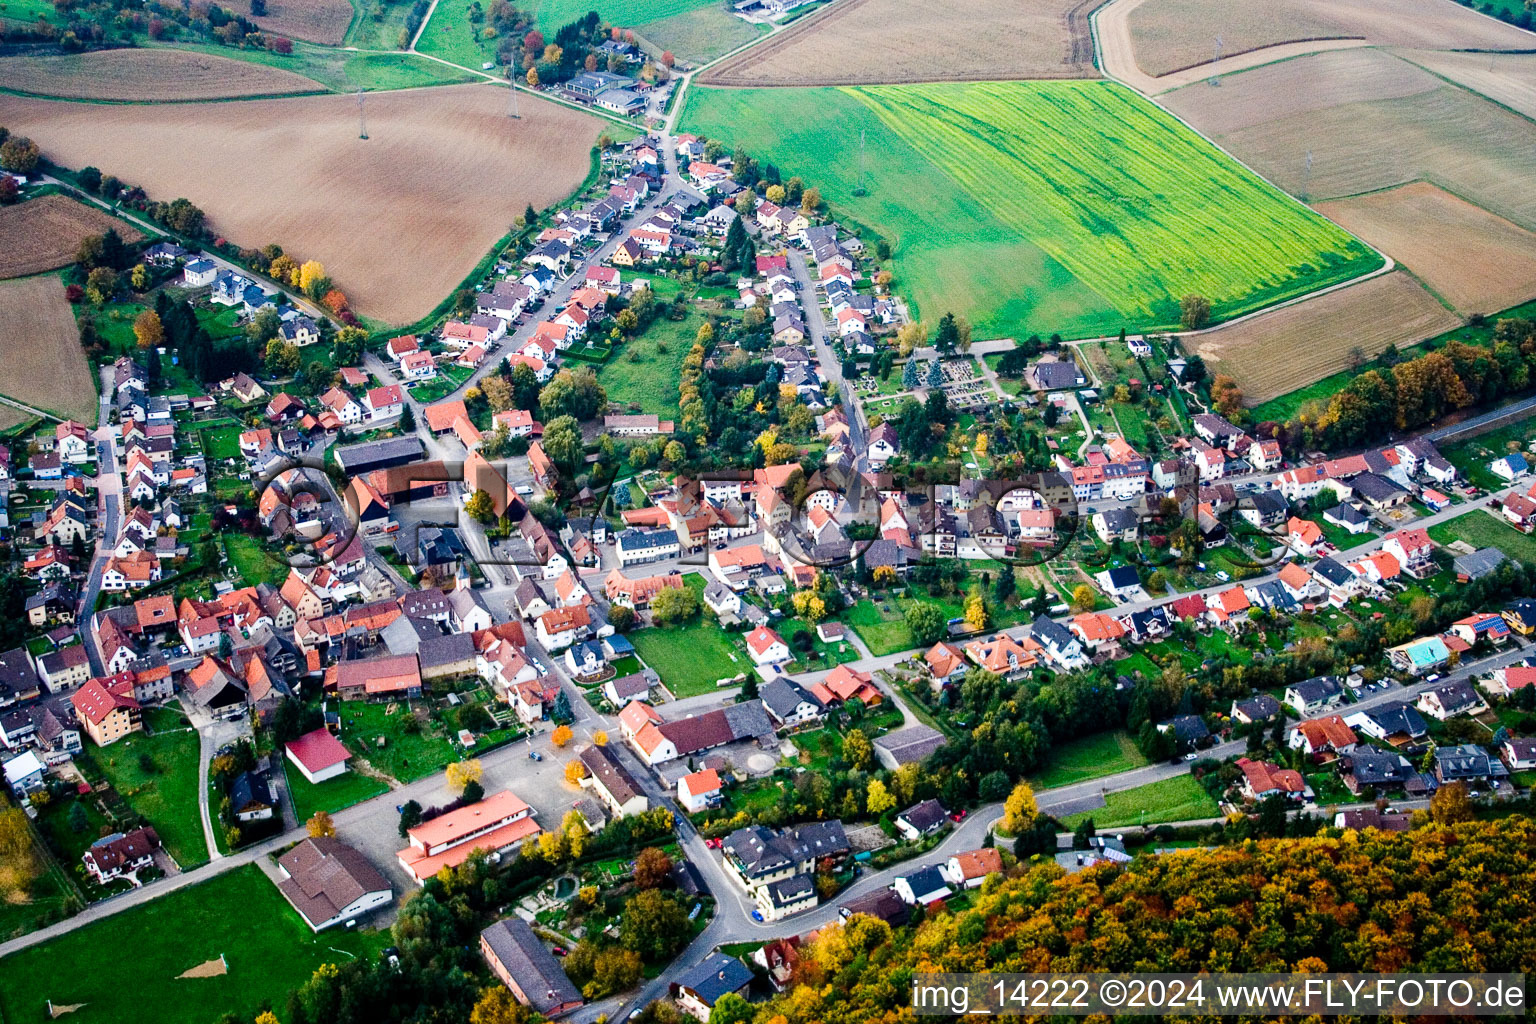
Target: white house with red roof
pixel 418 366
pixel 385 403
pixel 399 348
pixel 318 755
pixel 766 646
pixel 1413 550
pixel 699 791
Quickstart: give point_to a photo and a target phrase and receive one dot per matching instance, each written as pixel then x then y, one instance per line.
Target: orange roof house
pixel 848 683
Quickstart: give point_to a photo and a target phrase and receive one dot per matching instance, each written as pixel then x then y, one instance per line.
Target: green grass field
pixel 1483 529
pixel 1180 798
pixel 642 374
pixel 406 755
pixel 1040 206
pixel 700 35
pixel 1091 757
pixel 625 13
pixel 690 657
pixel 1473 456
pixel 342 70
pixel 331 795
pixel 167 796
pixel 253 561
pixel 452 36
pixel 239 915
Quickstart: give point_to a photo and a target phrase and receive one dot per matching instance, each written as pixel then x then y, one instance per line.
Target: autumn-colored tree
pixel 498 392
pixel 147 329
pixel 810 200
pixel 1451 804
pixel 976 609
pixel 667 59
pixel 600 738
pixel 267 1017
pixel 877 798
pixel 480 506
pixel 139 277
pixel 857 750
pixel 496 1006
pixel 1084 598
pixel 320 826
pixel 910 336
pixel 284 269
pixel 652 868
pixel 462 773
pixel 312 280
pixel 561 736
pixel 884 575
pixel 775 194
pixel 335 300
pixel 575 771
pixel 1019 809
pixel 1225 394
pixel 780 453
pixel 1194 312
pixel 532 78
pixel 809 606
pixel 554 846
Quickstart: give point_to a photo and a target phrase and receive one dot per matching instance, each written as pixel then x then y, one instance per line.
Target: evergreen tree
pixel 909 376
pixel 407 420
pixel 935 374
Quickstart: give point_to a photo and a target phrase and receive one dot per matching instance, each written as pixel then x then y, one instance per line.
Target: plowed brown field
pixel 318 21
pixel 147 76
pixel 863 42
pixel 1277 352
pixel 41 362
pixel 43 234
pixel 1477 262
pixel 398 219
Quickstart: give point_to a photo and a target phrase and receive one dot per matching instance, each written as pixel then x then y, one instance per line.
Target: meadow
pixel 1040 206
pixel 397 219
pixel 1481 528
pixel 700 35
pixel 239 915
pixel 1179 798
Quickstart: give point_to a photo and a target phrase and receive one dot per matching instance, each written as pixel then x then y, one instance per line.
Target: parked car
pixel 534 755
pixel 959 815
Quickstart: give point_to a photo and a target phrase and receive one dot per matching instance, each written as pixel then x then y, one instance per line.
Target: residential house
pixel 922 819
pixel 330 883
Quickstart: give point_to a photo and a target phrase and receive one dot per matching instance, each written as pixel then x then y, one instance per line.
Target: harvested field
pixel 1279 351
pixel 1507 78
pixel 1271 93
pixel 398 219
pixel 856 42
pixel 1465 144
pixel 317 21
pixel 41 361
pixel 1165 40
pixel 147 76
pixel 10 417
pixel 43 234
pixel 1477 262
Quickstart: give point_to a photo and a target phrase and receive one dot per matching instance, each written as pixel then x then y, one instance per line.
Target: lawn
pixel 1094 208
pixel 253 561
pixel 331 795
pixel 222 442
pixel 645 371
pixel 1473 456
pixel 239 915
pixel 700 35
pixel 406 755
pixel 167 796
pixel 689 658
pixel 1482 529
pixel 1180 798
pixel 1091 757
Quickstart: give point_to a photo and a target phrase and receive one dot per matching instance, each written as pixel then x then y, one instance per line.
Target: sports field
pixel 1040 206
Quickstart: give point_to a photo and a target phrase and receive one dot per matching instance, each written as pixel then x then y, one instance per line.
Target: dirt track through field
pixel 1279 351
pixel 147 75
pixel 1476 261
pixel 864 42
pixel 397 220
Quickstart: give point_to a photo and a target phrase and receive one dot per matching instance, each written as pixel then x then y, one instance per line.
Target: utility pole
pixel 512 113
pixel 362 117
pixel 1306 178
pixel 859 190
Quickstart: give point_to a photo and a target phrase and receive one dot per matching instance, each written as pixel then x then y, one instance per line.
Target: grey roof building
pixel 905 746
pixel 1479 563
pixel 526 967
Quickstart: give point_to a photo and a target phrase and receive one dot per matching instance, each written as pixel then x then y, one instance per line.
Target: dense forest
pixel 1436 899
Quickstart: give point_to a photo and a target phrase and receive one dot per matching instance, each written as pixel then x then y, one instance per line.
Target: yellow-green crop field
pixel 1034 207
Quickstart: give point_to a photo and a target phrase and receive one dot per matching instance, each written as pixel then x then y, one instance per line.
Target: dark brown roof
pixel 325 876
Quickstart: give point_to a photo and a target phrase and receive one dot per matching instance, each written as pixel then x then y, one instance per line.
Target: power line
pixel 362 118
